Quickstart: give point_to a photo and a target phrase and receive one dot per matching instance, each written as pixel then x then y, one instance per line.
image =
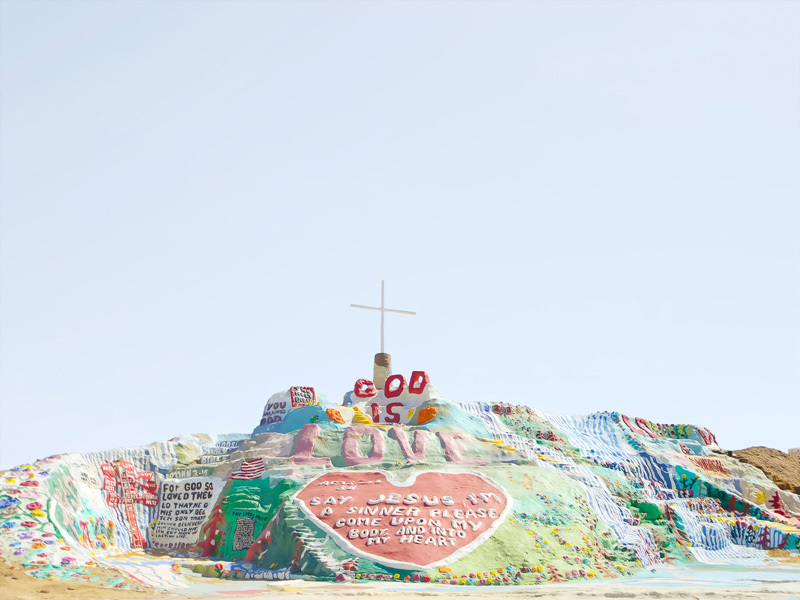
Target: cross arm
pixel 394 310
pixel 362 306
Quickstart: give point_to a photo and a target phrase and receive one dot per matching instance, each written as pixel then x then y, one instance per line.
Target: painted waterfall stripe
pixel 431 519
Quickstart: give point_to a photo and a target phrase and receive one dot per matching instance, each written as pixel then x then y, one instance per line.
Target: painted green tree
pixel 249 507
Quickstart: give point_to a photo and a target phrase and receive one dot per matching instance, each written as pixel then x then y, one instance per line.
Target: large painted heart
pixel 424 522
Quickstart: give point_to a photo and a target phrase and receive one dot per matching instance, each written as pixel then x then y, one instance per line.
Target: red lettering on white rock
pixel 419 379
pixel 391 392
pixel 364 388
pixel 392 417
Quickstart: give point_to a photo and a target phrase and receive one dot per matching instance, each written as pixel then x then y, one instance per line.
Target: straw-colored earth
pixel 783 469
pixel 15 584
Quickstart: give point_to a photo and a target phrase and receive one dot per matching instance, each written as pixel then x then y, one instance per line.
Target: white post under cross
pixel 383 309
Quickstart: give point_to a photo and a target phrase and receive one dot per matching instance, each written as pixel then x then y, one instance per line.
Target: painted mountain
pixel 397 483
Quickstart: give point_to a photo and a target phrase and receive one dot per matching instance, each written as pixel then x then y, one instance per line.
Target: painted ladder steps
pixel 315 544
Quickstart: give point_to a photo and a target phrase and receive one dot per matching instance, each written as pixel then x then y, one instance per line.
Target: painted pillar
pixel 381 370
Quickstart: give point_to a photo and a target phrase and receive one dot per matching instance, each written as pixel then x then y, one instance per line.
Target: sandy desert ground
pixel 781 582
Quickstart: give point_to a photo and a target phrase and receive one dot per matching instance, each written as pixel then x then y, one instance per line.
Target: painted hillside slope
pixel 401 483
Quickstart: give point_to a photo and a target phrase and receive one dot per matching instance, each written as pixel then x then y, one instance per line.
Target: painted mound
pixel 399 483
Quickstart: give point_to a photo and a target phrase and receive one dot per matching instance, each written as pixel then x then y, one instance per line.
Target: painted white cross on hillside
pixel 383 309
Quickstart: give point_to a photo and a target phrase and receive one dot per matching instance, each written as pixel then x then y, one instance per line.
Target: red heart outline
pixel 463 487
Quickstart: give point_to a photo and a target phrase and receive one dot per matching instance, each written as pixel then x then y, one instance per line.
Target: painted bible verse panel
pixel 183 508
pixel 425 522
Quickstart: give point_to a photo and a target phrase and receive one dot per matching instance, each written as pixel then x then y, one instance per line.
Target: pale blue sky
pixel 592 206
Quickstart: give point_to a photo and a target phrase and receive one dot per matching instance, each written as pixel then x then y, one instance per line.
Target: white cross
pixel 383 310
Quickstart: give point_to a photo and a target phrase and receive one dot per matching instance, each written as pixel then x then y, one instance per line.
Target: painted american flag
pixel 250 469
